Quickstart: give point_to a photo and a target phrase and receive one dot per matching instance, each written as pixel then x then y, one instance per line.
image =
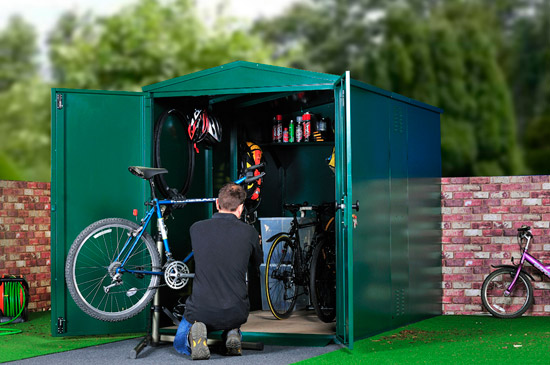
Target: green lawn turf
pixel 452 340
pixel 35 339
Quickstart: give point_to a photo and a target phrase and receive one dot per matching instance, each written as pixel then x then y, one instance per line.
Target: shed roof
pixel 242 76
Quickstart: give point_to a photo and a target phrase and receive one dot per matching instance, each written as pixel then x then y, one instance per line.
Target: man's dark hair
pixel 231 196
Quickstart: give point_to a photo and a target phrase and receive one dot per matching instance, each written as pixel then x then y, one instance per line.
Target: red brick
pixel 512 186
pixel 452 188
pixel 492 232
pixel 520 209
pixel 460 180
pixel 539 209
pixel 453 203
pixel 454 307
pixel 482 225
pixel 451 263
pixel 480 180
pixel 491 202
pixel 540 194
pixel 481 240
pixel 480 210
pixel 461 300
pixel 451 217
pixel 473 203
pixel 499 210
pixel 463 195
pixel 490 187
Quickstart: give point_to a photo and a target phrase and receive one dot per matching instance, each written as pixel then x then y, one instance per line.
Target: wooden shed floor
pixel 300 322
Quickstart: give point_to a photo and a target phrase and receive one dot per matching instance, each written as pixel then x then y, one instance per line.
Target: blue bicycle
pixel 113 268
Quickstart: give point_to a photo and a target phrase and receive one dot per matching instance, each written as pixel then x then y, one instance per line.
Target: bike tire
pixel 323 280
pixel 501 306
pixel 90 266
pixel 160 179
pixel 280 284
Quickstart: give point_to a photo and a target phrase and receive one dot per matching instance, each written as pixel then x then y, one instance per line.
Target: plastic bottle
pixel 274 130
pixel 307 126
pixel 299 129
pixel 285 135
pixel 291 131
pixel 279 128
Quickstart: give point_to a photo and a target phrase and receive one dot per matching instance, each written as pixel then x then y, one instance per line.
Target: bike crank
pixel 177 275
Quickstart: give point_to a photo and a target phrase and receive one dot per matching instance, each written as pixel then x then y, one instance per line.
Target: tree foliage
pixel 144 43
pixel 445 53
pixel 18 52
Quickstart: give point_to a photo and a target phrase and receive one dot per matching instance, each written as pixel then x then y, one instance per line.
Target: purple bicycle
pixel 508 292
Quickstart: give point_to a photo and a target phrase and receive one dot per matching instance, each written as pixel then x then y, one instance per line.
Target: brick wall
pixel 480 220
pixel 25 237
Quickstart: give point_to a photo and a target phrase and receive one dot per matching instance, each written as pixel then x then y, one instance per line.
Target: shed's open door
pixel 344 224
pixel 96 135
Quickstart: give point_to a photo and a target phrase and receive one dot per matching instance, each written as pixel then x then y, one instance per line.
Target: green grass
pixel 452 340
pixel 35 339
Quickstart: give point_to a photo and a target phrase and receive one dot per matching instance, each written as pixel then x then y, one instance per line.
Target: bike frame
pixel 530 259
pixel 133 240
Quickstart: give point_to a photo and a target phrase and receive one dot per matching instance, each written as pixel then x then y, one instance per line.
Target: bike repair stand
pixel 155 338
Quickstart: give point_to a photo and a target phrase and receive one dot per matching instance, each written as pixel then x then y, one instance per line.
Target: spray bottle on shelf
pixel 279 128
pixel 299 129
pixel 274 130
pixel 291 131
pixel 307 126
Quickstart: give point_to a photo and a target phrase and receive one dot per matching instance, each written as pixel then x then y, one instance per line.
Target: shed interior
pixel 295 173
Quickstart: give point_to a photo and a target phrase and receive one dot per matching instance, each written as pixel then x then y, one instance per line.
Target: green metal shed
pixel 388 157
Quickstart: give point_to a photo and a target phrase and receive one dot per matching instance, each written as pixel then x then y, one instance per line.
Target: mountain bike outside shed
pixel 387 157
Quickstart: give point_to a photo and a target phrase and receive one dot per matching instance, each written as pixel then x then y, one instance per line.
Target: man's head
pixel 230 199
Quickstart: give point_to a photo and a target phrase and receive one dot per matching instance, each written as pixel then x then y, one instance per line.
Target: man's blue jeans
pixel 181 341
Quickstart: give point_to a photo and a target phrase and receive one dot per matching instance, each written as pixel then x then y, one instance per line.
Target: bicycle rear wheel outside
pixel 91 266
pixel 280 285
pixel 323 280
pixel 513 305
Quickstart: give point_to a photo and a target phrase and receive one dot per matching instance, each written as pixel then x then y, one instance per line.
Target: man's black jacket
pixel 223 246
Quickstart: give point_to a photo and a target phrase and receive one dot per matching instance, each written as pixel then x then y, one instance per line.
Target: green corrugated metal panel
pixel 399 206
pixel 396 286
pixel 345 320
pixel 96 135
pixel 240 77
pixel 370 114
pixel 424 214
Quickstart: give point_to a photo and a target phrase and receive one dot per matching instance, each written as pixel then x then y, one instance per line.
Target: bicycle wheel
pixel 323 280
pixel 495 300
pixel 280 285
pixel 91 266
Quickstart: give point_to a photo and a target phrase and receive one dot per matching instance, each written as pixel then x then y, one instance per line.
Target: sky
pixel 43 13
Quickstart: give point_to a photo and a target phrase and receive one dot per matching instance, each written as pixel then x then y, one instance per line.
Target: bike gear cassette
pixel 174 275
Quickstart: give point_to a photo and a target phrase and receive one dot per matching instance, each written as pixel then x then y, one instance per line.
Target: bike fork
pixel 510 288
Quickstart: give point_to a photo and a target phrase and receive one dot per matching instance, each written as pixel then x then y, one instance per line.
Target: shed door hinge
pixel 59 100
pixel 60 325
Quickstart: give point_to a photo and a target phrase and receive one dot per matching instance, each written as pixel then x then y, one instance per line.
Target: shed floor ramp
pixel 300 322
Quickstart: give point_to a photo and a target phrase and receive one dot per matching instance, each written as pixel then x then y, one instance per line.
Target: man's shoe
pixel 197 342
pixel 233 342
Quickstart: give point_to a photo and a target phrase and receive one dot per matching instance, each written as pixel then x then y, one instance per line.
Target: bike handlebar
pixel 294 208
